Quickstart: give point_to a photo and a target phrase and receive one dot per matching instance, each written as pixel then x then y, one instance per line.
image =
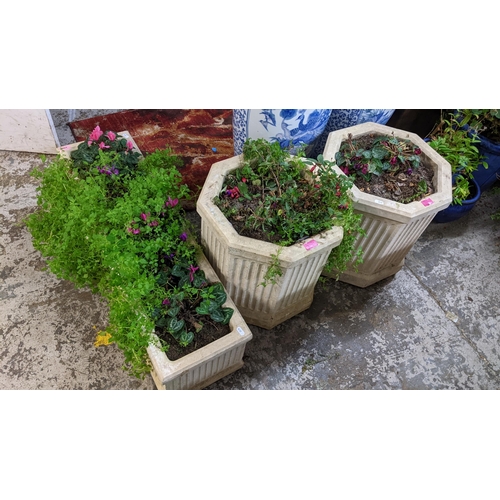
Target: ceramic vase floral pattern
pixel 297 126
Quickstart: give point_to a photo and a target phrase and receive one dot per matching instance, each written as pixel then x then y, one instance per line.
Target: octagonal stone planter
pixel 205 366
pixel 242 262
pixel 392 228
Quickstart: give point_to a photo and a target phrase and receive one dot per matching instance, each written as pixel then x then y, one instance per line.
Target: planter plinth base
pixel 363 280
pixel 205 383
pixel 270 320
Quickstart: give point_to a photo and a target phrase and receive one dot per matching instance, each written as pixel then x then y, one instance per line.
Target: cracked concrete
pixel 435 325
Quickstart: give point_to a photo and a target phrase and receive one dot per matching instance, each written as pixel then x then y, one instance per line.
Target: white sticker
pixel 240 330
pixel 380 202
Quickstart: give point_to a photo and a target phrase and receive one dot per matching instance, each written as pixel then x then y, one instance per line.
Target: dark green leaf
pixel 186 338
pixel 174 311
pixel 175 325
pixel 204 307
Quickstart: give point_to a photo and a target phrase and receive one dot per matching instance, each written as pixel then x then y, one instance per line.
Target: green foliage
pixel 375 154
pixel 71 215
pixel 457 145
pixel 274 270
pixel 86 156
pixel 188 301
pixel 113 233
pixel 288 198
pixel 483 121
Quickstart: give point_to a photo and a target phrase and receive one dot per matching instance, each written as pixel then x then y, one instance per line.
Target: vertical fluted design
pixel 386 242
pixel 242 271
pixel 206 370
pixel 402 241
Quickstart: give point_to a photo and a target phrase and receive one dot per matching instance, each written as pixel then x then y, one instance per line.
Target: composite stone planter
pixel 392 228
pixel 242 262
pixel 208 364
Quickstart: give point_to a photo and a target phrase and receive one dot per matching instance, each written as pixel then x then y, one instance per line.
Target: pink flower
pixel 130 146
pixel 393 160
pixel 192 270
pixel 233 193
pixel 111 136
pixel 153 223
pixel 96 134
pixel 166 302
pixel 103 146
pixel 144 216
pixel 171 203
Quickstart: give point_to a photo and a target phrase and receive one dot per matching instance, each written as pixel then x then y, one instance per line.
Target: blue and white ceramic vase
pixel 343 118
pixel 288 126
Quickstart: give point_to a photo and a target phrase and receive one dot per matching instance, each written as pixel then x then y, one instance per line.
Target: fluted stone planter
pixel 208 364
pixel 392 228
pixel 242 262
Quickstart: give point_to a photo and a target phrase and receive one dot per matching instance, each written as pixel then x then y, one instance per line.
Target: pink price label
pixel 427 202
pixel 310 244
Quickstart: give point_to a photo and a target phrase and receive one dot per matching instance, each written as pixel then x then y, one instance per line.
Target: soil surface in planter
pixel 399 187
pixel 243 208
pixel 210 333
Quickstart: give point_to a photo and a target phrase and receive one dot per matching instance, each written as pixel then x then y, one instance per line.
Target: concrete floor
pixel 435 325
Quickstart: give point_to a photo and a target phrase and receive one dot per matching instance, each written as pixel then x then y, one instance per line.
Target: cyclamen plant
pixel 181 296
pixel 189 301
pixel 374 155
pixel 88 152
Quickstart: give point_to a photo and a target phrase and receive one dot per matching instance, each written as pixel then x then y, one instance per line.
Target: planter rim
pixel 206 207
pixel 240 333
pixel 376 205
